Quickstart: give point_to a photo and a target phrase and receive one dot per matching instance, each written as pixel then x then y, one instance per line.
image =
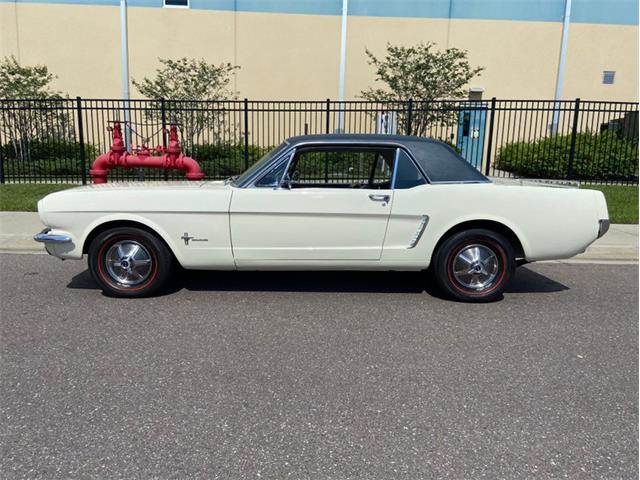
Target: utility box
pixel 472 119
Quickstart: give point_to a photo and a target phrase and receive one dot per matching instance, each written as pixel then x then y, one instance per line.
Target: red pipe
pixel 171 158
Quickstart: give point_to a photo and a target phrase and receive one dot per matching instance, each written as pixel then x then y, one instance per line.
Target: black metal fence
pixel 55 141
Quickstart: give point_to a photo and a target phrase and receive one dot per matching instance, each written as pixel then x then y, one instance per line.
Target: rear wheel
pixel 130 262
pixel 474 265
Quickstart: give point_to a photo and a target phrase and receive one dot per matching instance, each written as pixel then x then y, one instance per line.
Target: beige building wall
pixel 281 56
pixel 80 44
pixel 595 48
pixel 520 58
pixel 296 57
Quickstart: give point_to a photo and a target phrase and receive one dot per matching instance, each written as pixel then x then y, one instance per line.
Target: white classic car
pixel 341 202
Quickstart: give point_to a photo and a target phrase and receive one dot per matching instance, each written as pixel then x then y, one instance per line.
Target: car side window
pixel 365 167
pixel 407 174
pixel 274 177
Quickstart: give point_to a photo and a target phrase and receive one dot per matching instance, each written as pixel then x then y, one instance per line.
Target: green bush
pixel 37 150
pixel 604 156
pixel 224 160
pixel 42 158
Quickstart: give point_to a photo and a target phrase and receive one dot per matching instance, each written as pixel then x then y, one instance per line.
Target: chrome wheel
pixel 128 262
pixel 476 267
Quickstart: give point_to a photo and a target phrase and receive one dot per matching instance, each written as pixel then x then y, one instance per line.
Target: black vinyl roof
pixel 440 161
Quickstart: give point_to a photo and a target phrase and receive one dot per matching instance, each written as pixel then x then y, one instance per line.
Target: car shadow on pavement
pixel 525 281
pixel 529 281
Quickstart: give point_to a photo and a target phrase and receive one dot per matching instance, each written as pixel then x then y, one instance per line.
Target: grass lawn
pixel 622 200
pixel 23 197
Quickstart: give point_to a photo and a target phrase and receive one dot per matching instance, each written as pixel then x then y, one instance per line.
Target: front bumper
pixel 58 243
pixel 45 237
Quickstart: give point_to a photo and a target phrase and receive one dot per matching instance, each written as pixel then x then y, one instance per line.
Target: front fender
pixel 210 242
pixel 130 217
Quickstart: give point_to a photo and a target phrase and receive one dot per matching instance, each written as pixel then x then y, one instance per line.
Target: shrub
pixel 224 160
pixel 45 158
pixel 604 156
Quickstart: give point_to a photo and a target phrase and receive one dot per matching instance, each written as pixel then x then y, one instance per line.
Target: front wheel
pixel 129 262
pixel 474 265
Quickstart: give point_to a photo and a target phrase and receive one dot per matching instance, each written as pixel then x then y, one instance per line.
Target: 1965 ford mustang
pixel 341 202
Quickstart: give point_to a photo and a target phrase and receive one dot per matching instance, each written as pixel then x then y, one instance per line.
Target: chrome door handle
pixel 379 198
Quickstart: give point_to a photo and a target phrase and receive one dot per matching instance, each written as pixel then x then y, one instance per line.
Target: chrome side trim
pixel 603 226
pixel 396 158
pixel 45 237
pixel 424 221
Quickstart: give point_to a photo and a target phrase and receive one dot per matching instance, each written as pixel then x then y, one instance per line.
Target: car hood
pixel 139 197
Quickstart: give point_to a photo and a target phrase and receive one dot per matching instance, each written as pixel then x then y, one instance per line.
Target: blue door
pixel 471 126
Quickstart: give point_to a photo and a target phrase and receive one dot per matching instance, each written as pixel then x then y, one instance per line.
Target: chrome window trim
pixel 415 164
pixel 290 153
pixel 396 158
pixel 250 182
pixel 461 182
pixel 288 156
pixel 360 143
pixel 301 146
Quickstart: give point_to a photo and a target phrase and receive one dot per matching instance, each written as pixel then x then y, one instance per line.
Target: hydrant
pixel 171 158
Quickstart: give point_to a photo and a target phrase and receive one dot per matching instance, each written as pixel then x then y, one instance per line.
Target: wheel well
pixel 116 224
pixel 487 225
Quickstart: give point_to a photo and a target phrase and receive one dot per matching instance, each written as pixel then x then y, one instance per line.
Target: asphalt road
pixel 318 375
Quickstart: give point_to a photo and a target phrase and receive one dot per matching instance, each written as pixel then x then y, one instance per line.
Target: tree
pixel 184 82
pixel 423 74
pixel 25 121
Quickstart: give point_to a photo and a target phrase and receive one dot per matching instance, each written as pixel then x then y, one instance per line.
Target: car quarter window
pixel 341 167
pixel 407 174
pixel 274 177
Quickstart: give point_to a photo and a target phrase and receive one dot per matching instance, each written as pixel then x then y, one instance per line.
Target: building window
pixel 176 3
pixel 608 77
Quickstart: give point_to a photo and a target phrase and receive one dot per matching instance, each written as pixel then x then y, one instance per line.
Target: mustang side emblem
pixel 187 238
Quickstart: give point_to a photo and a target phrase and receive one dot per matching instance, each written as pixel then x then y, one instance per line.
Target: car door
pixel 327 203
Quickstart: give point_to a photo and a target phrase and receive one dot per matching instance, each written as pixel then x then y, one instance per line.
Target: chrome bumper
pixel 45 237
pixel 603 227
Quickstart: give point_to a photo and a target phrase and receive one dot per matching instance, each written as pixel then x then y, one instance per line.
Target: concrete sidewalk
pixel 620 244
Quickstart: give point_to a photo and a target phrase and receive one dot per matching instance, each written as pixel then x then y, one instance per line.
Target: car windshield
pixel 239 180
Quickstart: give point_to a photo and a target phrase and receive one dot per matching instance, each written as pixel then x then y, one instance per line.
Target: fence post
pixel 1 163
pixel 328 110
pixel 163 116
pixel 490 143
pixel 409 115
pixel 83 160
pixel 246 133
pixel 574 133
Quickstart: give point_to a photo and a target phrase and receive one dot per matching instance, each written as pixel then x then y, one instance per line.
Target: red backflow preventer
pixel 171 158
